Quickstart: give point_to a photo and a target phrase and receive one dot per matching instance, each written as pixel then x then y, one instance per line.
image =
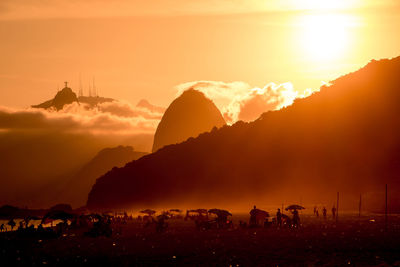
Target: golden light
pixel 324 37
pixel 324 4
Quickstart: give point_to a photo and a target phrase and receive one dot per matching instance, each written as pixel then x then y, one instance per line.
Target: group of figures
pixel 324 212
pixel 95 225
pixel 260 217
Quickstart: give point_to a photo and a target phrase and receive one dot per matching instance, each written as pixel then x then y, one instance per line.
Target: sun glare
pixel 324 37
pixel 324 4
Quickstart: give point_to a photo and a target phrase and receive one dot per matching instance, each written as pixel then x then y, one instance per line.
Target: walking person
pixel 333 212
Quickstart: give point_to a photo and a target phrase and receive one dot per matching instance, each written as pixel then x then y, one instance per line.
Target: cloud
pixel 40 149
pixel 116 118
pixel 241 101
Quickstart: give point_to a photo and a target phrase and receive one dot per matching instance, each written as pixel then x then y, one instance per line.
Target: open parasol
pixel 57 215
pixel 295 207
pixel 219 212
pixel 148 212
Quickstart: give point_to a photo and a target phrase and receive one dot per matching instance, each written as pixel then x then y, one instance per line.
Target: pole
pixel 337 206
pixel 359 208
pixel 386 207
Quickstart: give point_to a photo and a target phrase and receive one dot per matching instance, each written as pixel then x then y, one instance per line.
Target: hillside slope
pixel 77 189
pixel 344 138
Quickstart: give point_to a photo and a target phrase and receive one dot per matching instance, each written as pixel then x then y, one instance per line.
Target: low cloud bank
pixel 241 101
pixel 106 118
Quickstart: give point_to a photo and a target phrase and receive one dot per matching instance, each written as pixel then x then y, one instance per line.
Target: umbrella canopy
pixel 295 207
pixel 219 212
pixel 11 223
pixel 57 215
pixel 27 219
pixel 148 212
pixel 175 210
pixel 200 210
pixel 258 212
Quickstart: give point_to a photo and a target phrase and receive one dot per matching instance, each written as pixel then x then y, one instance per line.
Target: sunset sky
pixel 148 49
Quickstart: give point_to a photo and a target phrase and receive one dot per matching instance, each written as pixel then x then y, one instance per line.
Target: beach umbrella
pixel 258 212
pixel 11 223
pixel 57 215
pixel 148 212
pixel 295 207
pixel 219 212
pixel 29 218
pixel 175 210
pixel 200 211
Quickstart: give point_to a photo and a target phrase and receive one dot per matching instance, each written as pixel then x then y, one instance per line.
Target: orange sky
pixel 144 49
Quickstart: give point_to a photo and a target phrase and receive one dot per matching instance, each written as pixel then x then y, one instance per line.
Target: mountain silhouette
pixel 143 103
pixel 76 191
pixel 63 97
pixel 187 116
pixel 67 96
pixel 344 139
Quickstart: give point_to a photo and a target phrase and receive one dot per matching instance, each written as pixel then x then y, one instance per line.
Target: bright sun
pixel 324 37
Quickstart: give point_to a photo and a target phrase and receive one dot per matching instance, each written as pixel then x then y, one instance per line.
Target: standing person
pixel 253 217
pixel 12 224
pixel 333 212
pixel 317 213
pixel 296 219
pixel 279 217
pixel 324 212
pixel 2 227
pixel 315 210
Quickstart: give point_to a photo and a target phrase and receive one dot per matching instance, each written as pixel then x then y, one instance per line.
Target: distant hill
pixel 143 103
pixel 76 191
pixel 187 116
pixel 345 138
pixel 63 97
pixel 67 96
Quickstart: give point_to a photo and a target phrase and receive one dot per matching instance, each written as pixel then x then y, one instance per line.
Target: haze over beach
pixel 186 132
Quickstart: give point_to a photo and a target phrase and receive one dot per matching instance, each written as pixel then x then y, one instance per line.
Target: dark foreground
pixel 353 241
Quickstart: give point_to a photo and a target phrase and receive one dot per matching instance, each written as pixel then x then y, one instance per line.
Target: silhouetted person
pixel 11 223
pixel 40 228
pixel 253 217
pixel 161 225
pixel 317 213
pixel 279 217
pixel 333 212
pixel 315 210
pixel 2 227
pixel 296 219
pixel 21 225
pixel 324 212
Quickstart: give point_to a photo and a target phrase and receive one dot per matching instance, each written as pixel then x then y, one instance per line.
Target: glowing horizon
pixel 143 50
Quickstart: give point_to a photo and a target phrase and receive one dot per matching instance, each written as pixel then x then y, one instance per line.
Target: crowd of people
pixel 96 225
